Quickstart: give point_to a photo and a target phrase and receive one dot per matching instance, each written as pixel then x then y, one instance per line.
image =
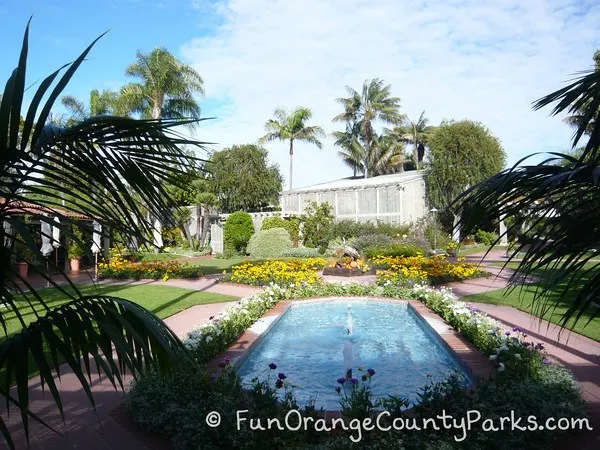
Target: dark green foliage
pixel 76 244
pixel 316 225
pixel 301 252
pixel 242 179
pixel 486 237
pixel 237 231
pixel 291 224
pixel 394 250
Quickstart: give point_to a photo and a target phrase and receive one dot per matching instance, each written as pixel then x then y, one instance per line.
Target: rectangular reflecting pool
pixel 315 343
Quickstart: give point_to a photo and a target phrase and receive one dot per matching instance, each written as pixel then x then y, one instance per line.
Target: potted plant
pixel 75 249
pixel 24 256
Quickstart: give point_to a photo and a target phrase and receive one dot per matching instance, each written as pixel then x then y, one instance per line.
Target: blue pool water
pixel 309 341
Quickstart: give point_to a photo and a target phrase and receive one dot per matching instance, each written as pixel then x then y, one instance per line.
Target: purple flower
pixel 213 376
pixel 545 361
pixel 517 329
pixel 371 372
pixel 272 366
pixel 507 333
pixel 279 384
pixel 526 344
pixel 222 365
pixel 539 346
pixel 364 378
pixel 211 317
pixel 341 380
pixel 282 376
pixel 338 389
pixel 354 381
pixel 473 308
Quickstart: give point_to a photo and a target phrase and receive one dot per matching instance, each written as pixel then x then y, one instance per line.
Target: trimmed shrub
pixel 316 225
pixel 486 237
pixel 269 243
pixel 237 231
pixel 362 243
pixel 291 224
pixel 348 228
pixel 394 250
pixel 301 252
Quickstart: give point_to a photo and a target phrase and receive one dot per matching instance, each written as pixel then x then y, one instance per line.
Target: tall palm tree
pixel 123 159
pixel 166 87
pixel 578 115
pixel 292 127
pixel 373 104
pixel 417 132
pixel 560 226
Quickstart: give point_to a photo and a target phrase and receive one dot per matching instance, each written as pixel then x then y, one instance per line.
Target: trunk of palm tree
pixel 205 225
pixel 415 149
pixel 291 160
pixel 198 223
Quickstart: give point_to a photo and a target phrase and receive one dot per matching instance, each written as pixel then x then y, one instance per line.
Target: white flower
pixel 208 338
pixel 493 357
pixel 501 367
pixel 518 356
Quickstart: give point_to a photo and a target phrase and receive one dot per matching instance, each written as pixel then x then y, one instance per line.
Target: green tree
pixel 292 127
pixel 241 178
pixel 557 201
pixel 137 156
pixel 361 111
pixel 237 231
pixel 461 154
pixel 316 222
pixel 166 87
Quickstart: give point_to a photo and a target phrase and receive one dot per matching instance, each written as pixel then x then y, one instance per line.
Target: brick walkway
pixel 111 428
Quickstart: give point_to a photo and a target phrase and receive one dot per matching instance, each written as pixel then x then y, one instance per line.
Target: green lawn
pixel 521 298
pixel 467 250
pixel 218 265
pixel 164 301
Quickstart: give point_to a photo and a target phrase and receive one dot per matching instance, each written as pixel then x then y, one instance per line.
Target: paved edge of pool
pixel 471 359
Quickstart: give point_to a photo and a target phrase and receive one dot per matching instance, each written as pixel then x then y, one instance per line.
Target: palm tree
pixel 166 88
pixel 417 132
pixel 292 127
pixel 123 159
pixel 374 103
pixel 578 115
pixel 555 204
pixel 102 103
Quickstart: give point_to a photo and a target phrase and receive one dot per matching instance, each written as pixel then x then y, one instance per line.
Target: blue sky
pixel 455 59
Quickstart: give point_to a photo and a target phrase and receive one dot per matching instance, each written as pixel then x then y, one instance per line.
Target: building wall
pixel 392 203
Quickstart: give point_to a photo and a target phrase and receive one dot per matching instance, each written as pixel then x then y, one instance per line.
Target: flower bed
pixel 120 268
pixel 434 270
pixel 295 271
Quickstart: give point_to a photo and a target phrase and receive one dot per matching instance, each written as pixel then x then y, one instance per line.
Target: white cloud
pixel 453 59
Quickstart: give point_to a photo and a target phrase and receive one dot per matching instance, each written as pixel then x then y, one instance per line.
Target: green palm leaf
pixel 108 168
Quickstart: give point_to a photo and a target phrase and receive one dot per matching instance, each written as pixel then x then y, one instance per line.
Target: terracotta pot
pixel 75 265
pixel 23 268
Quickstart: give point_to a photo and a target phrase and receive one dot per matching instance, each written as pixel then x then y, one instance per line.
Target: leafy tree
pixel 292 127
pixel 166 88
pixel 316 223
pixel 560 198
pixel 241 178
pixel 362 149
pixel 119 157
pixel 461 154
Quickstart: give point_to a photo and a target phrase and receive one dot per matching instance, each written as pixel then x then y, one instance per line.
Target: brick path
pixel 111 428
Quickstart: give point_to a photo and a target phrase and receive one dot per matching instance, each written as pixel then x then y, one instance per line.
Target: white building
pixel 396 198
